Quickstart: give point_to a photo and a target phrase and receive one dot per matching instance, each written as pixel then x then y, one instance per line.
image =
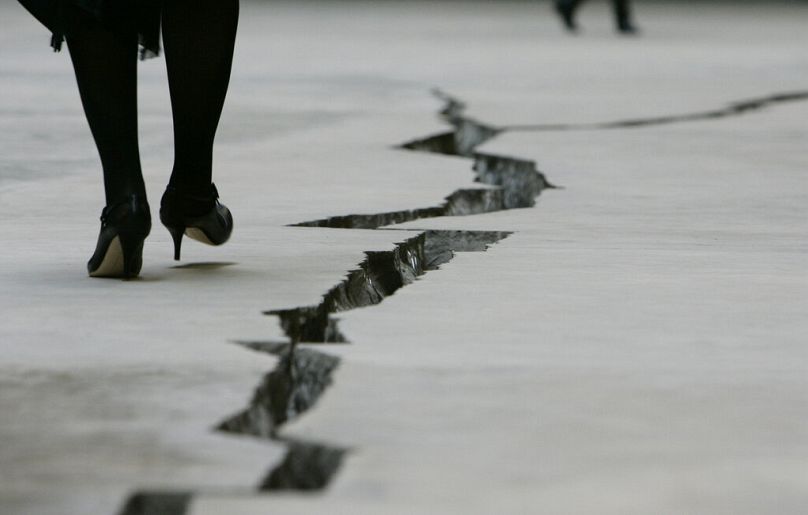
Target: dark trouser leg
pixel 622 14
pixel 106 71
pixel 570 4
pixel 199 36
pixel 566 9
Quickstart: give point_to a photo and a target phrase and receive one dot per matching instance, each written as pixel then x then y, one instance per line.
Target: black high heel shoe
pixel 212 227
pixel 119 252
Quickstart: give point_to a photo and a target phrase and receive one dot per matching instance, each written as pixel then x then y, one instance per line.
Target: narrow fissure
pixel 380 275
pixel 509 183
pixel 306 467
pixel 157 503
pixel 731 110
pixel 290 389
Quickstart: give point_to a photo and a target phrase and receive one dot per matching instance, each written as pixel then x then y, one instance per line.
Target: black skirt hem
pixel 66 17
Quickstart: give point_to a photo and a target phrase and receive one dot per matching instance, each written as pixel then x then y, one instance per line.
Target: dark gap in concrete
pixel 376 220
pixel 515 183
pixel 520 180
pixel 441 143
pixel 452 108
pixel 298 380
pixel 157 503
pixel 440 246
pixel 460 203
pixel 474 202
pixel 305 467
pixel 468 134
pixel 733 109
pixel 380 275
pixel 302 375
pixel 289 390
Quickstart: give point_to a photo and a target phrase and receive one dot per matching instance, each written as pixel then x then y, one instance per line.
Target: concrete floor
pixel 636 346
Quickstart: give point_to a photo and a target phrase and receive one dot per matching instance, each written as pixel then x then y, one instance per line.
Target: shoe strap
pixel 108 210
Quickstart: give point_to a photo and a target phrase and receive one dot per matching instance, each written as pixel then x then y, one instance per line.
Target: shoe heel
pixel 132 248
pixel 176 234
pixel 119 251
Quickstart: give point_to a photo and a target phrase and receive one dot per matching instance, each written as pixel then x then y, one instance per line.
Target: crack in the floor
pixel 380 275
pixel 305 467
pixel 157 503
pixel 290 389
pixel 302 375
pixel 731 110
pixel 507 182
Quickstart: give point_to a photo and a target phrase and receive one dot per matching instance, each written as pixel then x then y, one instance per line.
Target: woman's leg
pixel 199 36
pixel 622 14
pixel 106 71
pixel 566 9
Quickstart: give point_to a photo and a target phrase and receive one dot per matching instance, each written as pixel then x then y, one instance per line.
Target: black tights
pixel 198 36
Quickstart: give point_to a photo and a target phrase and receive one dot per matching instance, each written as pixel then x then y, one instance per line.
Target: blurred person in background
pixel 622 12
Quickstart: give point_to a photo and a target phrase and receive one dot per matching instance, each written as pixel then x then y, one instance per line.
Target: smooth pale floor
pixel 637 346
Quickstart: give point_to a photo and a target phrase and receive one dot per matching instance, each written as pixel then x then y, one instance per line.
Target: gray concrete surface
pixel 636 346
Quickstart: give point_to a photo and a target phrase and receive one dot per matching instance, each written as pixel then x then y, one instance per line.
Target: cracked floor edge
pixel 157 503
pixel 289 390
pixel 302 375
pixel 293 387
pixel 507 182
pixel 379 275
pixel 305 467
pixel 732 109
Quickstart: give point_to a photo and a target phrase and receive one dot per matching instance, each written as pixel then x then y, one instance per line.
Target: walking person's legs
pixel 622 14
pixel 105 64
pixel 566 9
pixel 199 37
